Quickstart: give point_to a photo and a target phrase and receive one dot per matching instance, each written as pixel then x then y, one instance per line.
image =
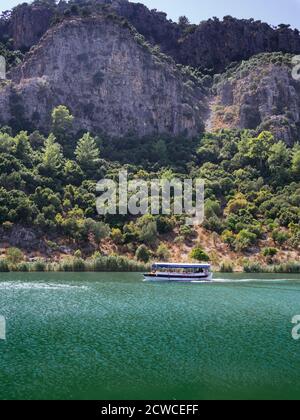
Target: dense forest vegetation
pixel 49 183
pixel 48 180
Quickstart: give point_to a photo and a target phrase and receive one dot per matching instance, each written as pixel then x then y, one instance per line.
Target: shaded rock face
pixel 154 26
pixel 28 24
pixel 23 237
pixel 20 237
pixel 262 97
pixel 210 46
pixel 215 44
pixel 110 83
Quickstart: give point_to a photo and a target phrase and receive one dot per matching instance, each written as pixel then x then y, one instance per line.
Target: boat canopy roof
pixel 171 265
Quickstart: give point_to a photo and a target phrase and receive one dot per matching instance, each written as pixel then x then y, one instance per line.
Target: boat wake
pixel 249 280
pixel 38 286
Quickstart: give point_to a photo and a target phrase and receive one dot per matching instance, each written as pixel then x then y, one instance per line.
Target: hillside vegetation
pixel 48 187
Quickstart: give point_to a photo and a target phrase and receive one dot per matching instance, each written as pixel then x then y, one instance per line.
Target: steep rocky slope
pixel 114 83
pixel 215 44
pixel 111 83
pixel 258 94
pixel 210 46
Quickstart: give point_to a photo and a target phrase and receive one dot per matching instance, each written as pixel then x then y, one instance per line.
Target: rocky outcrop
pixel 210 46
pixel 19 236
pixel 111 83
pixel 259 94
pixel 29 23
pixel 215 44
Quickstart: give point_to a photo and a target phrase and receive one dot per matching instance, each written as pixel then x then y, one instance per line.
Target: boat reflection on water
pixel 179 272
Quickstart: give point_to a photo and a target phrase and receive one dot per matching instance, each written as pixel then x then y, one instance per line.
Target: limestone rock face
pixel 110 82
pixel 210 46
pixel 260 94
pixel 29 23
pixel 215 44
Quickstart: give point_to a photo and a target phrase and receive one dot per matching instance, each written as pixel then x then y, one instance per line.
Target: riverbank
pixel 124 264
pixel 100 264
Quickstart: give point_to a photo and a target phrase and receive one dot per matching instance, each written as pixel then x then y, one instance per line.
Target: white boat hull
pixel 181 279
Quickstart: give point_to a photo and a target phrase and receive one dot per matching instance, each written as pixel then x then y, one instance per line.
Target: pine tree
pixel 52 156
pixel 87 152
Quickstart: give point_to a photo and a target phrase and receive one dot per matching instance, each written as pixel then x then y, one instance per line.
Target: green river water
pixel 112 336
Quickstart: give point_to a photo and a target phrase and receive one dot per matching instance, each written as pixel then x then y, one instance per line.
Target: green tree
pixel 143 254
pixel 259 147
pixel 62 124
pixel 14 256
pixel 87 153
pixel 163 252
pixel 117 236
pixel 148 229
pixel 244 240
pixel 52 156
pixel 23 148
pixel 199 255
pixel 279 162
pixel 296 161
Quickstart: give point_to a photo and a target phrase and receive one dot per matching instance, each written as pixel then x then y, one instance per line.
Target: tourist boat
pixel 179 272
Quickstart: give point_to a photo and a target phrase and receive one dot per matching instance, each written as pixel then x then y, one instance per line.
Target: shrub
pixel 14 256
pixel 78 254
pixel 39 266
pixel 244 240
pixel 148 233
pixel 78 265
pixel 163 252
pixel 214 224
pixel 23 267
pixel 186 231
pixel 164 225
pixel 117 236
pixel 199 255
pixel 254 268
pixel 238 203
pixel 228 238
pixel 143 254
pixel 212 208
pixel 4 266
pixel 66 265
pixel 269 252
pixel 294 241
pixel 226 267
pixel 280 237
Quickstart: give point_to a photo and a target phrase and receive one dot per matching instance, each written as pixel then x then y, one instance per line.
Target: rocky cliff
pixel 210 46
pixel 258 94
pixel 111 82
pixel 29 23
pixel 215 44
pixel 95 61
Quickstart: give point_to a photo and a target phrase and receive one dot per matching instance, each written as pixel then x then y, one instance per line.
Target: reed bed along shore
pixel 284 268
pixel 124 264
pixel 102 264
